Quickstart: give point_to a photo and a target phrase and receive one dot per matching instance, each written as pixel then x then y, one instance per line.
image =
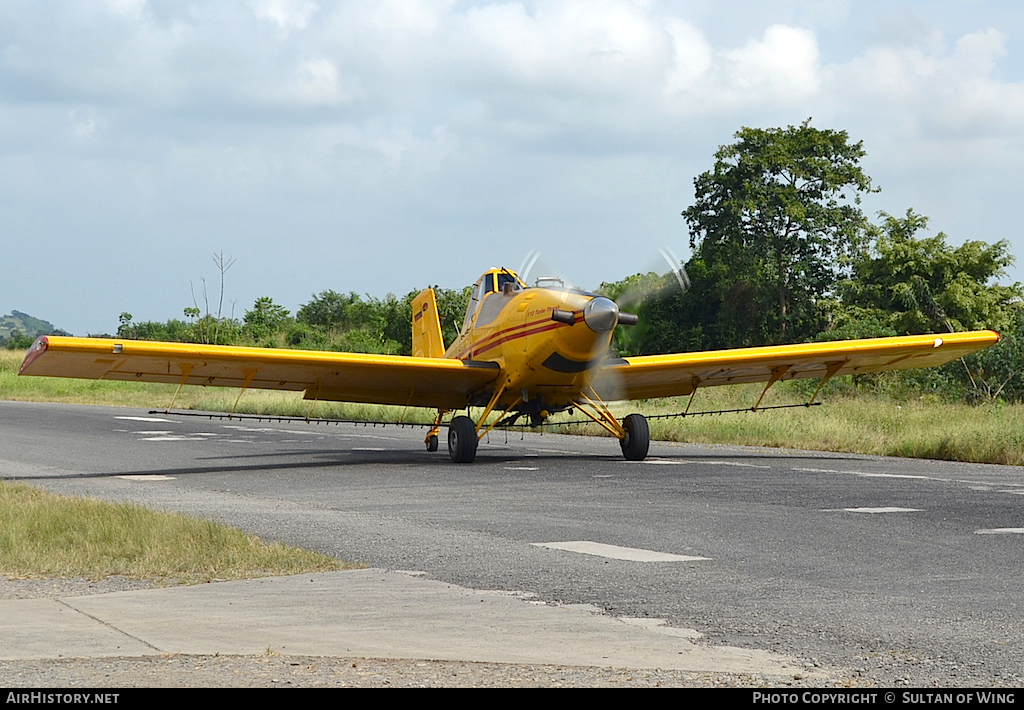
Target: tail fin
pixel 426 326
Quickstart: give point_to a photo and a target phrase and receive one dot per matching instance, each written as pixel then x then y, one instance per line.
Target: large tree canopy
pixel 923 285
pixel 776 217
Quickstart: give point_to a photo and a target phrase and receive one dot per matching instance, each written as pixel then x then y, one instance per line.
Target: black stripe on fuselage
pixel 560 363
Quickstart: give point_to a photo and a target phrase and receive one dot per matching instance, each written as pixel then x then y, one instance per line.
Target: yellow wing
pixel 673 375
pixel 347 377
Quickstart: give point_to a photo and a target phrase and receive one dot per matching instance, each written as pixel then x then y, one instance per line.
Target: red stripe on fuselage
pixel 508 334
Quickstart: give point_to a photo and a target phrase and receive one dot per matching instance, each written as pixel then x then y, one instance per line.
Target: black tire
pixel 432 443
pixel 638 437
pixel 462 440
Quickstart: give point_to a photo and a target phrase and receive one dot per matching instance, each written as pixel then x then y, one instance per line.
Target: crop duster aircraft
pixel 522 352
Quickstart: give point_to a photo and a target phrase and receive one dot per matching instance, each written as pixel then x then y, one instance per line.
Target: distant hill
pixel 26 326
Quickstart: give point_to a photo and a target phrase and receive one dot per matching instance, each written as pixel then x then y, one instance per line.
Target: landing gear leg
pixel 633 433
pixel 462 440
pixel 637 439
pixel 431 440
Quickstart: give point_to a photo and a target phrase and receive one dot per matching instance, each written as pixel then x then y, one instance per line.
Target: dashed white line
pixel 733 463
pixel 165 435
pixel 867 474
pixel 615 552
pixel 881 509
pixel 676 462
pixel 146 477
pixel 895 475
pixel 1000 531
pixel 974 485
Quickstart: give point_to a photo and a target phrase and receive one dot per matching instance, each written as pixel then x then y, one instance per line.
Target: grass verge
pixel 47 535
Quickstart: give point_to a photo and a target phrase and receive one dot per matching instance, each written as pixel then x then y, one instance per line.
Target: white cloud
pixel 126 8
pixel 445 120
pixel 316 83
pixel 692 55
pixel 605 45
pixel 953 93
pixel 286 14
pixel 85 122
pixel 782 65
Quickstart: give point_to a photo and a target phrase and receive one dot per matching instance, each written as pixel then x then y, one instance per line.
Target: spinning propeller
pixel 608 309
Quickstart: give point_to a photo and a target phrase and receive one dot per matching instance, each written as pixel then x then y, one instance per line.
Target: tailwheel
pixel 432 442
pixel 462 440
pixel 637 439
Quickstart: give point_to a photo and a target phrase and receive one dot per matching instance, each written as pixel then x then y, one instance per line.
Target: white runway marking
pixel 884 509
pixel 674 462
pixel 1000 531
pixel 171 436
pixel 733 463
pixel 974 485
pixel 617 553
pixel 146 477
pixel 866 474
pixel 144 419
pixel 894 475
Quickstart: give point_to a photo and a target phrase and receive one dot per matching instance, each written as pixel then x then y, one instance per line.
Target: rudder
pixel 427 340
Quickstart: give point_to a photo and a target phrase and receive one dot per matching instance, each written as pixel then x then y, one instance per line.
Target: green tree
pixel 996 372
pixel 125 329
pixel 923 285
pixel 333 310
pixel 266 318
pixel 635 294
pixel 16 340
pixel 775 220
pixel 451 309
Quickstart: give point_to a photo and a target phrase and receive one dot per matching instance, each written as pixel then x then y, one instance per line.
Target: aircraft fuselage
pixel 549 342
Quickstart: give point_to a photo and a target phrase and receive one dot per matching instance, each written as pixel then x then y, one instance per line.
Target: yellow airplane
pixel 523 351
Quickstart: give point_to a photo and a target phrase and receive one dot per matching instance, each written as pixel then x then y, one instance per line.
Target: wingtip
pixel 35 351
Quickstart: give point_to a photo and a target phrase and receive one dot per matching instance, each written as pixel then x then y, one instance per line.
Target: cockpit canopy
pixel 494 281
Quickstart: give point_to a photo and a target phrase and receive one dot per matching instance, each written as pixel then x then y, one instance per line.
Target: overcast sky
pixel 384 146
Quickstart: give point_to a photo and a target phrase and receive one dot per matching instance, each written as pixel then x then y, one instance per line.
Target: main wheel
pixel 432 442
pixel 462 440
pixel 638 437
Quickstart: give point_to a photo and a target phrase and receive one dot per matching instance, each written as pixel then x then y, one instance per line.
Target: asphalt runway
pixel 899 570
